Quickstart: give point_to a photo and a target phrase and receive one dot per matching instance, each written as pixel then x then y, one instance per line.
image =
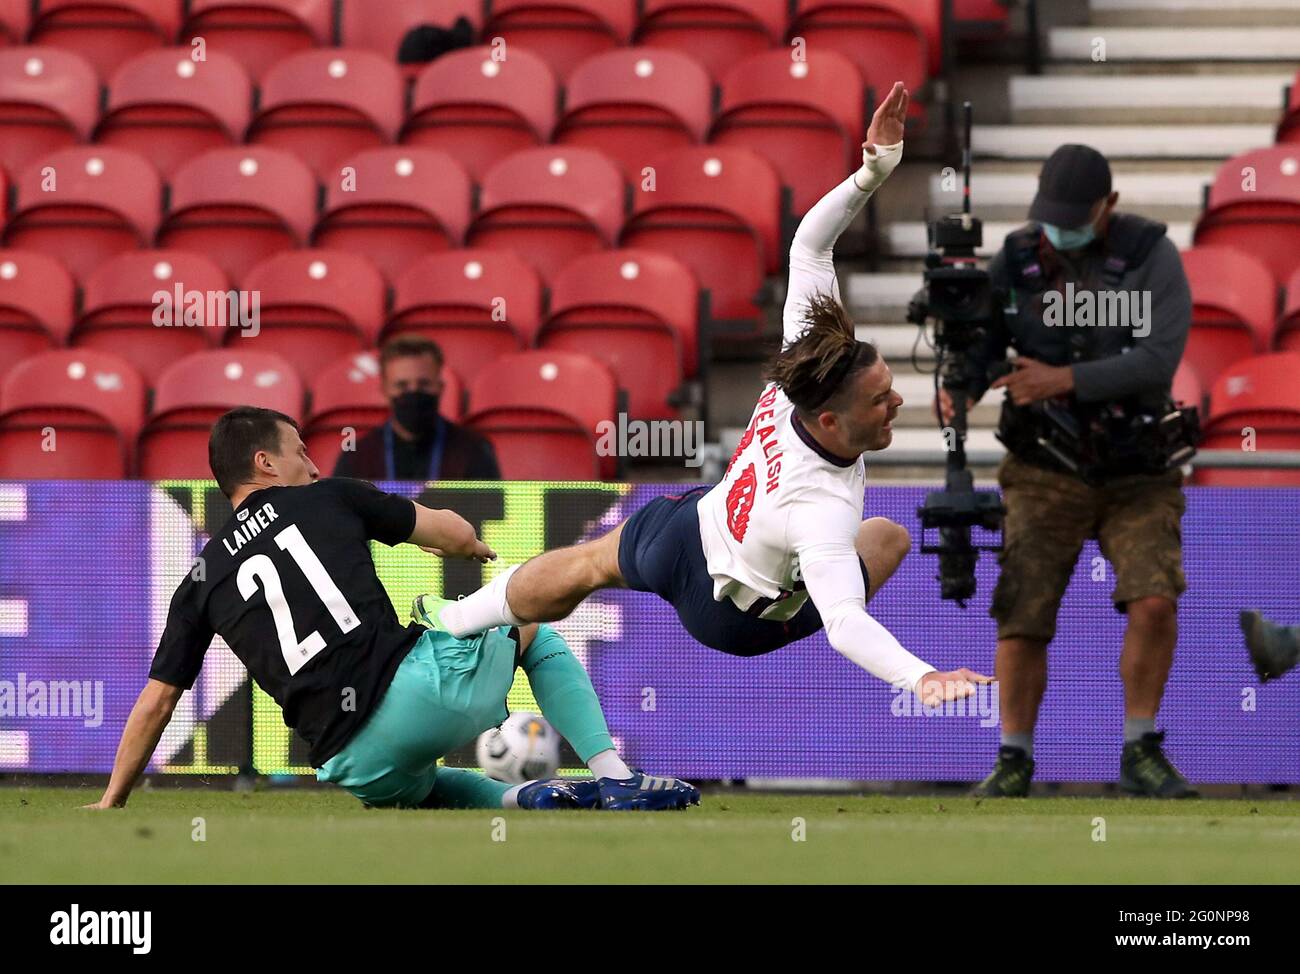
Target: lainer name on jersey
pixel 255 522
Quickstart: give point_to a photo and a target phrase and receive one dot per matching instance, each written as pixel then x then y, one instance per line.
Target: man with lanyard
pixel 417 443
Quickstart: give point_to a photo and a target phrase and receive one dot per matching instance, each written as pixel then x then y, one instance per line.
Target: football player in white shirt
pixel 778 549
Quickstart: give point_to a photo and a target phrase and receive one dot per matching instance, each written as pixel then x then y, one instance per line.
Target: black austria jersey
pixel 290 585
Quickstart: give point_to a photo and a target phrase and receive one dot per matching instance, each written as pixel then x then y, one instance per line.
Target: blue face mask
pixel 1069 239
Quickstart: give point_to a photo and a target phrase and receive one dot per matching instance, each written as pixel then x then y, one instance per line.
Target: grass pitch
pixel 325 836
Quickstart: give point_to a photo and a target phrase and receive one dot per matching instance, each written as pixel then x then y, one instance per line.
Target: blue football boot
pixel 646 793
pixel 559 793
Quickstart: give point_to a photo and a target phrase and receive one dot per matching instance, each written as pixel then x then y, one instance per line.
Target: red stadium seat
pixel 106 33
pixel 346 402
pixel 37 299
pixel 476 304
pixel 718 211
pixel 900 40
pixel 192 393
pixel 549 205
pixel 169 107
pixel 1254 205
pixel 119 313
pixel 69 413
pixel 1187 388
pixel 1259 394
pixel 315 307
pixel 564 32
pixel 805 117
pixel 15 20
pixel 636 311
pixel 381 26
pixel 717 33
pixel 636 102
pixel 481 109
pixel 1288 130
pixel 85 204
pixel 1233 301
pixel 398 204
pixel 49 100
pixel 328 104
pixel 258 33
pixel 239 206
pixel 542 411
pixel 1288 325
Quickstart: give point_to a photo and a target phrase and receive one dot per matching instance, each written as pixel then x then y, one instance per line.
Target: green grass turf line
pixel 327 837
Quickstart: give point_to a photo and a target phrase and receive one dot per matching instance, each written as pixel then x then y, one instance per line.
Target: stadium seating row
pixel 635 310
pixel 901 38
pixel 716 208
pixel 83 413
pixel 326 105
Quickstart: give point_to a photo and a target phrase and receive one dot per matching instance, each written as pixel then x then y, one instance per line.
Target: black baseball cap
pixel 1073 178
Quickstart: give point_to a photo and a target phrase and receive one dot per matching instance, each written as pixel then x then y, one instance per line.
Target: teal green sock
pixel 459 788
pixel 564 692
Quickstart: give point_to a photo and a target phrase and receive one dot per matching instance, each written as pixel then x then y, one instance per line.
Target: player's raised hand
pixel 936 687
pixel 887 124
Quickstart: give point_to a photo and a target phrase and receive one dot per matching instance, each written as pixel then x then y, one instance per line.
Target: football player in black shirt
pixel 290 584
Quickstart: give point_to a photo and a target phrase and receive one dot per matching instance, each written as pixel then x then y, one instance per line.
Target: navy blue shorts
pixel 660 552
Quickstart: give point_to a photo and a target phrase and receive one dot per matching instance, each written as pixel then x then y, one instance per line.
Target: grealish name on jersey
pixel 255 522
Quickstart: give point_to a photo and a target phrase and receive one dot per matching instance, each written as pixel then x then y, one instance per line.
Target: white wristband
pixel 876 168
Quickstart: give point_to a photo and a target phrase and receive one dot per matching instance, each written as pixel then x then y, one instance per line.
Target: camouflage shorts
pixel 1137 522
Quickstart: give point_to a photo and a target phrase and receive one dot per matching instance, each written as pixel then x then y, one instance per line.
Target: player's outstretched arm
pixel 448 535
pixel 812 267
pixel 149 717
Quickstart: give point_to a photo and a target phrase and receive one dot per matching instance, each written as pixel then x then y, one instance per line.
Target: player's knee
pixel 890 539
pixel 1154 613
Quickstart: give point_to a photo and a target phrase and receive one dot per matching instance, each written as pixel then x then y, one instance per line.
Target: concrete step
pixel 1189 13
pixel 1151 98
pixel 909 238
pixel 896 343
pixel 1007 195
pixel 880 298
pixel 1121 141
pixel 1174 43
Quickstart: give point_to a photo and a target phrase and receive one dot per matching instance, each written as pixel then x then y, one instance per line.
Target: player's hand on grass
pixel 936 687
pixel 104 803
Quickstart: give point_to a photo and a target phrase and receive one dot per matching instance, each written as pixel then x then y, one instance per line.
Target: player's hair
pixel 814 370
pixel 236 437
pixel 409 346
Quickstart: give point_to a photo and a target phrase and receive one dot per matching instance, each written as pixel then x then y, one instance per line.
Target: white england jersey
pixel 780 527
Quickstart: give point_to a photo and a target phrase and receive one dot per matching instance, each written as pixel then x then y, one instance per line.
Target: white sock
pixel 607 764
pixel 511 798
pixel 482 610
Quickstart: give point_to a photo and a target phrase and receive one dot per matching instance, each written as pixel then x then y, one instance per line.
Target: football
pixel 525 747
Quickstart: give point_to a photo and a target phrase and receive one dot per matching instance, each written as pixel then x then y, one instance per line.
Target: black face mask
pixel 417 412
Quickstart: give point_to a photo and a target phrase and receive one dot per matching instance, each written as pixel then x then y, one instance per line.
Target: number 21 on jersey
pixel 260 568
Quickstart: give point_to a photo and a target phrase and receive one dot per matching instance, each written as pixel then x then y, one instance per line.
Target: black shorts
pixel 660 552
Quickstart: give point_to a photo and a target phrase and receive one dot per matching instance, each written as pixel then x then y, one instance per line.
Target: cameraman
pixel 1076 243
